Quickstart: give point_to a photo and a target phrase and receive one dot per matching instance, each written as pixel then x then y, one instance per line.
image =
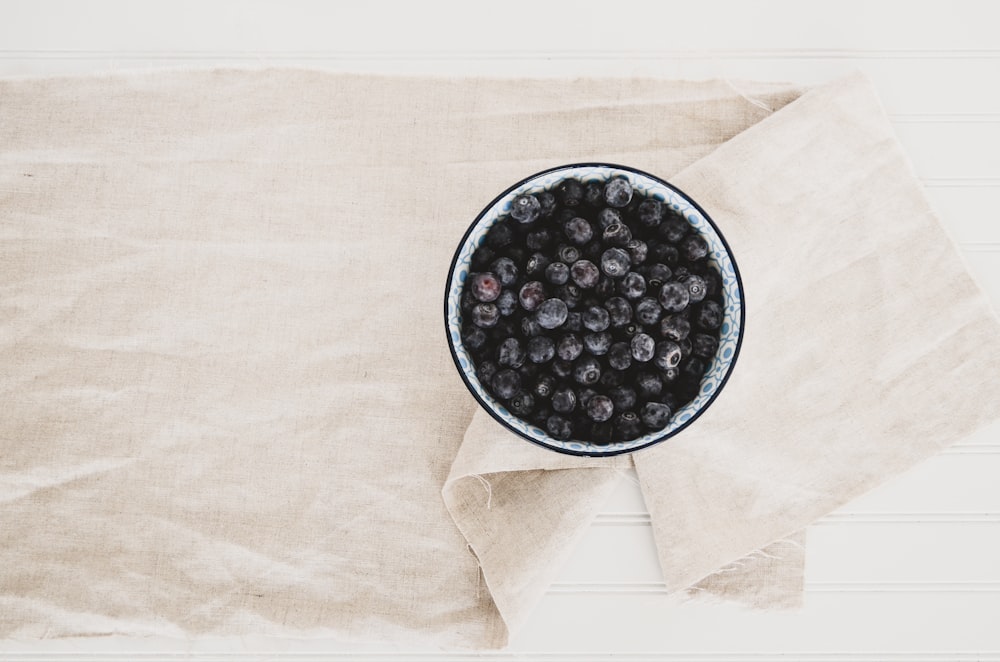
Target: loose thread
pixel 489 490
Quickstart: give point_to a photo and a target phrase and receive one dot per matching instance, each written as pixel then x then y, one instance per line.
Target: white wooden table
pixel 908 572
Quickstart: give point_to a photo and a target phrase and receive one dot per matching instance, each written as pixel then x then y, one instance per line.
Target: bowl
pixel 720 257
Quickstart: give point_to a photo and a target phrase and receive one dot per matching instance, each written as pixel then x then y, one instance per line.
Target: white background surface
pixel 908 572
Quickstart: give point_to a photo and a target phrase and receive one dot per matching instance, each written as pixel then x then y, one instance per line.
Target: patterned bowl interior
pixel 719 255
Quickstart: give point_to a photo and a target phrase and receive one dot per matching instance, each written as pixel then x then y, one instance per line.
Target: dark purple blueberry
pixel 627 332
pixel 544 387
pixel 638 251
pixel 584 395
pixel 643 347
pixel 619 311
pixel 505 384
pixel 563 216
pixel 574 322
pixel 569 254
pixel 482 258
pixel 673 228
pixel 592 251
pixel 693 369
pixel 596 318
pixel 605 288
pixel 600 408
pixel 499 235
pixel 546 203
pixel 618 192
pixel 648 385
pixel 505 270
pixel 507 303
pixel 697 288
pixel 597 343
pixel 570 192
pixel 620 356
pixel 510 353
pixel 525 208
pixel 713 282
pixel 485 286
pixel 521 404
pixel 704 346
pixel 584 273
pixel 539 239
pixel 602 433
pixel 530 327
pixel 632 286
pixel 505 328
pixel 569 293
pixel 709 315
pixel 552 313
pixel 681 273
pixel 557 273
pixel 467 302
pixel 541 349
pixel 558 427
pixel 485 371
pixel 617 234
pixel 474 338
pixel 694 247
pixel 650 213
pixel 528 372
pixel 569 347
pixel 578 230
pixel 670 376
pixel 611 378
pixel 655 415
pixel 674 297
pixel 562 369
pixel 485 315
pixel 586 370
pixel 686 347
pixel 532 295
pixel 648 311
pixel 564 400
pixel 658 274
pixel 536 265
pixel 627 426
pixel 664 254
pixel 608 216
pixel 593 194
pixel 615 262
pixel 623 397
pixel 675 327
pixel 668 355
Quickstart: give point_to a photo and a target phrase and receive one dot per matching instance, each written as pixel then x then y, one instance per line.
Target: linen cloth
pixel 229 406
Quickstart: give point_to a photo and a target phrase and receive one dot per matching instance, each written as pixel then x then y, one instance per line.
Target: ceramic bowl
pixel 720 257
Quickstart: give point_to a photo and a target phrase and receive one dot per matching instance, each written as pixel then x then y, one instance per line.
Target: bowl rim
pixel 585 452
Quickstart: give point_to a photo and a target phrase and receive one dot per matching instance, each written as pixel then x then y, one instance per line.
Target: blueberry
pixel 539 239
pixel 596 318
pixel 675 327
pixel 525 208
pixel 615 262
pixel 648 311
pixel 655 415
pixel 473 338
pixel 593 194
pixel 650 213
pixel 648 385
pixel 617 234
pixel 628 332
pixel 521 404
pixel 557 273
pixel 623 397
pixel 674 297
pixel 485 286
pixel 627 426
pixel 608 216
pixel 485 315
pixel 657 274
pixel 578 230
pixel 547 203
pixel 643 347
pixel 694 248
pixel 544 387
pixel 632 286
pixel 505 328
pixel 541 349
pixel 467 302
pixel 505 384
pixel 713 282
pixel 693 369
pixel 697 288
pixel 569 347
pixel 618 192
pixel 536 264
pixel 482 258
pixel 532 295
pixel 570 192
pixel 664 253
pixel 611 378
pixel 673 228
pixel 552 313
pixel 605 288
pixel 686 347
pixel 507 303
pixel 574 322
pixel 510 353
pixel 505 270
pixel 569 293
pixel 670 376
pixel 528 372
pixel 619 311
pixel 564 400
pixel 668 355
pixel 562 369
pixel 638 251
pixel 600 408
pixel 586 370
pixel 569 254
pixel 620 356
pixel 530 327
pixel 584 395
pixel 704 346
pixel 584 273
pixel 500 235
pixel 485 371
pixel 709 315
pixel 602 433
pixel 559 427
pixel 597 343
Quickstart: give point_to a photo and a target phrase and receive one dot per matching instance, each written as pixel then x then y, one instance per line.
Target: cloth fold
pixel 229 405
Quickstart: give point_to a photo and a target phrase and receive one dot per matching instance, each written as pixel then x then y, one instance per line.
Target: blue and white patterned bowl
pixel 719 255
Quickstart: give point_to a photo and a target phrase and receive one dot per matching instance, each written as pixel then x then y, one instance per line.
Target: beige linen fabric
pixel 228 403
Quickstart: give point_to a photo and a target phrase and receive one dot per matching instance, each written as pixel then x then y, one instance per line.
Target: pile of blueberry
pixel 592 311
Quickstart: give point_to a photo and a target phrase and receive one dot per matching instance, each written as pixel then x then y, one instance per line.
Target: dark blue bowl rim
pixel 595 453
